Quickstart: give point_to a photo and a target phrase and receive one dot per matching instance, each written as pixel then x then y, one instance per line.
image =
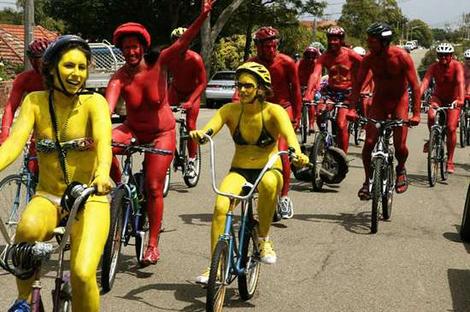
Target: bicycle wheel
pixel 377 165
pixel 248 281
pixel 191 181
pixel 112 248
pixel 13 200
pixel 357 133
pixel 65 302
pixel 317 154
pixel 304 125
pixel 433 155
pixel 463 129
pixel 465 225
pixel 142 234
pixel 216 285
pixel 166 185
pixel 443 158
pixel 387 198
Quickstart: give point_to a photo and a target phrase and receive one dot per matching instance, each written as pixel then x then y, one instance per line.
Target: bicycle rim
pixel 192 181
pixel 443 158
pixel 13 195
pixel 248 281
pixel 432 158
pixel 387 199
pixel 317 154
pixel 376 194
pixel 463 130
pixel 216 285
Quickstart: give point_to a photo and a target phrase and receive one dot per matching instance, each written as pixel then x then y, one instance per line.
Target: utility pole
pixel 314 30
pixel 28 29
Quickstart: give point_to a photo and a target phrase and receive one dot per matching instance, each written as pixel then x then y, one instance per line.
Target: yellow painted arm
pixel 101 123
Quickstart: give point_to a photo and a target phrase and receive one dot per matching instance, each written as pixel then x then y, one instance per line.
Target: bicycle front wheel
pixel 387 198
pixel 112 248
pixel 304 126
pixel 14 195
pixel 217 285
pixel 443 158
pixel 433 155
pixel 317 154
pixel 65 300
pixel 377 165
pixel 248 281
pixel 191 178
pixel 463 130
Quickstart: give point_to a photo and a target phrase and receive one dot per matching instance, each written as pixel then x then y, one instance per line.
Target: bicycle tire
pixel 357 134
pixel 277 214
pixel 166 184
pixel 463 130
pixel 316 157
pixel 443 158
pixel 141 240
pixel 12 203
pixel 65 301
pixel 377 164
pixel 304 126
pixel 216 284
pixel 192 181
pixel 112 248
pixel 465 225
pixel 387 199
pixel 467 126
pixel 248 281
pixel 432 158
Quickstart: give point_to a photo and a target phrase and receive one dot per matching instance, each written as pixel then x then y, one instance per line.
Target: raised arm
pixel 11 106
pixel 314 80
pixel 183 42
pixel 13 145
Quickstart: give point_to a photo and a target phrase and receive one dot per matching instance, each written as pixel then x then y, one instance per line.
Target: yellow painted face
pixel 247 86
pixel 72 71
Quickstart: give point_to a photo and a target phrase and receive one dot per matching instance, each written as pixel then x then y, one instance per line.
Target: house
pixel 12 41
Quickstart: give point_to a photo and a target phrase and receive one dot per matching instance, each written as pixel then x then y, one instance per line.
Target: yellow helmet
pixel 177 32
pixel 256 69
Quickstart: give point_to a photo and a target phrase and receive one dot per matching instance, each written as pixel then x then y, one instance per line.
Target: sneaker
pixel 285 207
pixel 204 277
pixel 151 255
pixel 20 306
pixel 191 170
pixel 450 167
pixel 267 254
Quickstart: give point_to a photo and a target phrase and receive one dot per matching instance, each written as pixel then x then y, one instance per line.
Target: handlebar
pixel 385 123
pixel 142 148
pixel 452 105
pixel 176 109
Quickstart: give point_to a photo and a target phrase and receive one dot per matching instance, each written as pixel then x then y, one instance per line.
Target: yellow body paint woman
pixel 81 117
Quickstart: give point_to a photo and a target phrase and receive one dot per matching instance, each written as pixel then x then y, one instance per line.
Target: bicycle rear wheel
pixel 216 285
pixel 304 126
pixel 377 165
pixel 387 198
pixel 465 225
pixel 192 180
pixel 248 281
pixel 463 129
pixel 433 155
pixel 65 301
pixel 112 248
pixel 13 200
pixel 443 158
pixel 317 154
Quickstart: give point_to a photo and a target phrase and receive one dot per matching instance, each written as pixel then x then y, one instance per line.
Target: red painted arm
pixel 11 106
pixel 314 80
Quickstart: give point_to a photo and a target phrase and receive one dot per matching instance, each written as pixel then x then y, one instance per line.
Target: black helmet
pixel 381 31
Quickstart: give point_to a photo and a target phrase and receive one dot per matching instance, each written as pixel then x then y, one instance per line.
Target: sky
pixel 437 13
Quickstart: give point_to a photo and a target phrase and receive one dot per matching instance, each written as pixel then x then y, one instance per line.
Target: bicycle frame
pixel 180 152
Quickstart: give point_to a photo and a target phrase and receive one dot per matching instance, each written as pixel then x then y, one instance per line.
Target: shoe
pixel 191 170
pixel 20 306
pixel 426 147
pixel 285 207
pixel 267 254
pixel 364 193
pixel 401 183
pixel 151 255
pixel 204 277
pixel 450 167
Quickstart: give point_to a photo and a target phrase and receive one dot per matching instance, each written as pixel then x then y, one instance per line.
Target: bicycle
pixel 382 181
pixel 437 154
pixel 236 255
pixel 25 260
pixel 128 213
pixel 16 191
pixel 464 124
pixel 191 172
pixel 325 169
pixel 356 127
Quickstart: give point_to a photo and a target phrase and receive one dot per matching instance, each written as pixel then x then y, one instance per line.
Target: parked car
pixel 220 88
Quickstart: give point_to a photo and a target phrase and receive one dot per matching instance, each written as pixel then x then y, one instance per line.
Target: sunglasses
pixel 247 86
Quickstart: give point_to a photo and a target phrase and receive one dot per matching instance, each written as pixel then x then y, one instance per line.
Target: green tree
pixel 420 31
pixel 357 15
pixel 9 16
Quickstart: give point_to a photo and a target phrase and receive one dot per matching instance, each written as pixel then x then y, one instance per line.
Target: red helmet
pixel 37 47
pixel 131 29
pixel 335 31
pixel 311 52
pixel 265 33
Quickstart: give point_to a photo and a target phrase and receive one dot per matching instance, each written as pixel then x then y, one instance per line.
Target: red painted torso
pixel 446 83
pixel 185 70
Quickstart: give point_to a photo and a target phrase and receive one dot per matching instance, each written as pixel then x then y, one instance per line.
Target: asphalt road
pixel 327 260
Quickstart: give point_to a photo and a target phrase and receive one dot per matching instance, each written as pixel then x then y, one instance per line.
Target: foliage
pixel 228 53
pixel 9 16
pixel 295 39
pixel 420 31
pixel 429 58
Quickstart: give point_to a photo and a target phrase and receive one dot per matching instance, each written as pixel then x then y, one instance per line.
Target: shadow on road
pixel 201 219
pixel 190 293
pixel 455 237
pixel 459 283
pixel 465 167
pixel 178 187
pixel 355 223
pixel 418 180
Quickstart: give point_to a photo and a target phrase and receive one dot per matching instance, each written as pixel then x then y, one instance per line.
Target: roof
pixel 12 41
